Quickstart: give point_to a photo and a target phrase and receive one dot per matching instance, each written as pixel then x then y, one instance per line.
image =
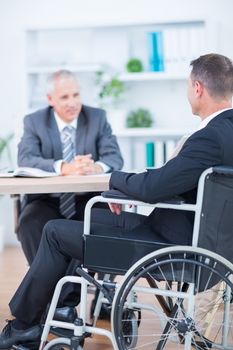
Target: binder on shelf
pixel 156 55
pixel 150 154
pixel 159 153
pixel 171 50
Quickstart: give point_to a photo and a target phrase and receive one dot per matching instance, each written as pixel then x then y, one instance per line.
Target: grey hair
pixel 215 72
pixel 60 74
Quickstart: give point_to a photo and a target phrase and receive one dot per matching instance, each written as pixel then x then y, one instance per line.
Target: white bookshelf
pixel 151 76
pixel 90 47
pixel 133 142
pixel 84 68
pixel 161 133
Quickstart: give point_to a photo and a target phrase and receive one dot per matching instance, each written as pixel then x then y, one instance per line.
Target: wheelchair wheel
pixel 61 347
pixel 184 296
pixel 129 328
pixel 61 344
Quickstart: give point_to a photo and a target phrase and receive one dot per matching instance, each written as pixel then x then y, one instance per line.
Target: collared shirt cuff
pixel 105 167
pixel 57 166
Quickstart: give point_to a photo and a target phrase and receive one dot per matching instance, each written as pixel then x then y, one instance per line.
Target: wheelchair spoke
pixel 183 302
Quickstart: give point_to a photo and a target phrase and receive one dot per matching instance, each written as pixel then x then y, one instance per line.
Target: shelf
pixel 150 76
pixel 123 23
pixel 153 132
pixel 86 68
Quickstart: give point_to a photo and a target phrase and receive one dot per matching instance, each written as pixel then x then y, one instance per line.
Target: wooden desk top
pixel 22 185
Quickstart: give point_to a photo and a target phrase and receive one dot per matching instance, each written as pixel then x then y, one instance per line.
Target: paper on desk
pixel 28 172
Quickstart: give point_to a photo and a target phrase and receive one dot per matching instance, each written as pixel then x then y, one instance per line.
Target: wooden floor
pixel 13 266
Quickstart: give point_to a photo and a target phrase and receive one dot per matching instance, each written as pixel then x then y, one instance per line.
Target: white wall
pixel 16 16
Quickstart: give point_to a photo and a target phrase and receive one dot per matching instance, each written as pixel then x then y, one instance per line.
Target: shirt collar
pixel 210 117
pixel 61 124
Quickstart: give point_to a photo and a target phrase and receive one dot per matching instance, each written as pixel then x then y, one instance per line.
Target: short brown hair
pixel 215 72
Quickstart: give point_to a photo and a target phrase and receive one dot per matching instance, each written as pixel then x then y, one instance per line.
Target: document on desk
pixel 28 172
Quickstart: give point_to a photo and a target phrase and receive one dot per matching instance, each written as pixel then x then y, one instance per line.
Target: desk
pixel 87 183
pixel 22 185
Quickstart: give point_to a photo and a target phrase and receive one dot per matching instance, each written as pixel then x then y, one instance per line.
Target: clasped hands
pixel 85 165
pixel 81 165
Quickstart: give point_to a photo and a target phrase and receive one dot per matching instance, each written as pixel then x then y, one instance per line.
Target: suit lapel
pixel 81 133
pixel 54 136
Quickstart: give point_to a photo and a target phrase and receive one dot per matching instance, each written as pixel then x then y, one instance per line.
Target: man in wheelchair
pixel 210 90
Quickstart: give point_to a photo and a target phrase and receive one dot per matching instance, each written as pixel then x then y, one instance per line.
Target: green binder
pixel 150 154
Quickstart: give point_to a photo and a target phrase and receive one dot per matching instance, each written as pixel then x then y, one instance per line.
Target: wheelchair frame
pixel 80 328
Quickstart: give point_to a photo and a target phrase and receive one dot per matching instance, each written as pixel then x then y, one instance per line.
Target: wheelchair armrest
pixel 119 195
pixel 176 203
pixel 224 170
pixel 116 195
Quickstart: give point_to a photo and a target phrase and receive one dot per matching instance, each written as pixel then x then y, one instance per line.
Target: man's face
pixel 65 98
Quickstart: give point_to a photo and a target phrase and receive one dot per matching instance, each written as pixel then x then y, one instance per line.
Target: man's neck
pixel 211 109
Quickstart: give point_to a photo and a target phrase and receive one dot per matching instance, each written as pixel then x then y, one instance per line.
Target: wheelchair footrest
pixel 66 333
pixel 27 346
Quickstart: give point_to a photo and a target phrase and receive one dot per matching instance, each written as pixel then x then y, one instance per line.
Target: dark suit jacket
pixel 40 145
pixel 210 146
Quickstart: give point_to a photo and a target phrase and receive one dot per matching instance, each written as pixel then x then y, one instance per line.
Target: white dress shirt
pixel 61 125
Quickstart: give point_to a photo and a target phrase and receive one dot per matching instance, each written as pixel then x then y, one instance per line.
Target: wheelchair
pixel 170 297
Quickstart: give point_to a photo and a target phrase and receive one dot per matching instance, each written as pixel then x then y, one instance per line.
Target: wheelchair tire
pixel 61 344
pixel 129 328
pixel 184 294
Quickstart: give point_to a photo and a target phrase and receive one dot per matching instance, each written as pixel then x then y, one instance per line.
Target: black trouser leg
pixel 32 220
pixel 62 240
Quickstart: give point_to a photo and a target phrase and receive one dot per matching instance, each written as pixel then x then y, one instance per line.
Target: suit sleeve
pixel 179 175
pixel 108 148
pixel 29 149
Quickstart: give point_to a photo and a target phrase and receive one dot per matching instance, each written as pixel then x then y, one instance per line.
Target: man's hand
pixel 82 165
pixel 115 208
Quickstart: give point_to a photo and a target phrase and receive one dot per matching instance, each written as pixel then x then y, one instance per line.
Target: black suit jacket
pixel 210 146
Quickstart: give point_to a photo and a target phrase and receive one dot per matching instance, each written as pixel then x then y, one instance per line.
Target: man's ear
pixel 50 100
pixel 198 86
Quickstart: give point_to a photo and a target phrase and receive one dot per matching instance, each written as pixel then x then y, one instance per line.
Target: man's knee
pixel 66 236
pixel 53 230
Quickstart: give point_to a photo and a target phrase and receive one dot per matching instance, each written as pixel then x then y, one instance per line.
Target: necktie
pixel 67 200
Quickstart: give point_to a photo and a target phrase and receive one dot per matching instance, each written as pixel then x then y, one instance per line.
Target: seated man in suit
pixel 210 90
pixel 69 138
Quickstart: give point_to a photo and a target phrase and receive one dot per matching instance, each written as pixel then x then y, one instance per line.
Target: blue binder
pixel 156 52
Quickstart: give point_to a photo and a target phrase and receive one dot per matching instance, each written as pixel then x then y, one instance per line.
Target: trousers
pixel 33 218
pixel 62 241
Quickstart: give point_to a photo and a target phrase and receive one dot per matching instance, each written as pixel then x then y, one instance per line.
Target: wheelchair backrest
pixel 216 220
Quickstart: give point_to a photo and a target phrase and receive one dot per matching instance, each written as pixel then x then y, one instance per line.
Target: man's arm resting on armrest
pixel 116 208
pixel 120 195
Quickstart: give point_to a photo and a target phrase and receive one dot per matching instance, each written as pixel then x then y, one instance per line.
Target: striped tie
pixel 67 200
